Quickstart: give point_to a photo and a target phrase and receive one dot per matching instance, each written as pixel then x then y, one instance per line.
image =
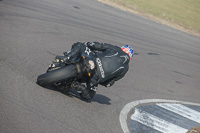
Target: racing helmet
pixel 127 49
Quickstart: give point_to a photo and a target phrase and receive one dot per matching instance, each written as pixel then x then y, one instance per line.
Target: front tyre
pixel 58 75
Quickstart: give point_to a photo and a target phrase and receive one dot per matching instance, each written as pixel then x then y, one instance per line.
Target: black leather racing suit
pixel 111 65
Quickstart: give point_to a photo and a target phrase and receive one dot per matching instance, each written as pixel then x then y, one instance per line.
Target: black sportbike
pixel 65 75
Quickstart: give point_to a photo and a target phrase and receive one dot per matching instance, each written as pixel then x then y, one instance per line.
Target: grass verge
pixel 181 14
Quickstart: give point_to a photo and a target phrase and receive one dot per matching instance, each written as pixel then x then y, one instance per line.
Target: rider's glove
pixel 89 43
pixel 66 59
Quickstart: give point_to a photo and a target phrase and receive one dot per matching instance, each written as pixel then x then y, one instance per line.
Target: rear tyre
pixel 59 75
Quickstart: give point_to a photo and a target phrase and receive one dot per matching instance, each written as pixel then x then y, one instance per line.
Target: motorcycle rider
pixel 103 64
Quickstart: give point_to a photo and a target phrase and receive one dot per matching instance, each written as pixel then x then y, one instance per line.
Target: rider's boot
pixel 83 91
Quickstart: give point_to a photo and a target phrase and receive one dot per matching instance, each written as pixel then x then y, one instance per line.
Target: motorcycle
pixel 65 75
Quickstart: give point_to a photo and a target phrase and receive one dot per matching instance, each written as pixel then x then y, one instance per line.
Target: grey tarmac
pixel 165 66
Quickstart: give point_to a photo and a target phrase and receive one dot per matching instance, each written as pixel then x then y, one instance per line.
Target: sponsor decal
pixel 87 51
pixel 92 66
pixel 100 67
pixel 125 58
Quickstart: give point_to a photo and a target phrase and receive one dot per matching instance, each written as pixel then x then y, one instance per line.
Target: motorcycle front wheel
pixel 58 75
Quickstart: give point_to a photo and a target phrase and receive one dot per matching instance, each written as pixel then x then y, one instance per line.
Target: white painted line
pixel 183 111
pixel 128 107
pixel 156 122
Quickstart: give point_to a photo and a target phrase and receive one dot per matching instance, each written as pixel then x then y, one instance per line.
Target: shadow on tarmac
pixel 72 93
pixel 101 99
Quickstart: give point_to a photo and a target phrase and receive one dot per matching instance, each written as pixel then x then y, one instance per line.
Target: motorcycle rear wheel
pixel 58 75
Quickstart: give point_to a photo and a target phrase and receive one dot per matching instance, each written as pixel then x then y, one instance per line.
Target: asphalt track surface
pixel 166 64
